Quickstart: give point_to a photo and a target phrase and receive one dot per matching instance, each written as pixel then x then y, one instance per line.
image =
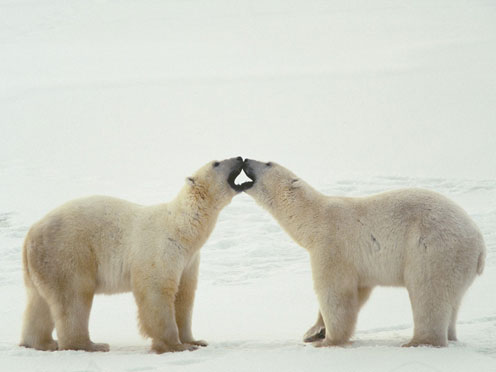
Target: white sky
pixel 90 89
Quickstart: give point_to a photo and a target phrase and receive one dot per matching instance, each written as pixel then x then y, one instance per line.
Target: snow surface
pixel 127 98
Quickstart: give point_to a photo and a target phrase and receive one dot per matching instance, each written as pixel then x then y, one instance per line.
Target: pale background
pixel 127 98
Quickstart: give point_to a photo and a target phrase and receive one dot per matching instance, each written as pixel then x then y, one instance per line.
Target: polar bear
pixel 411 238
pixel 106 245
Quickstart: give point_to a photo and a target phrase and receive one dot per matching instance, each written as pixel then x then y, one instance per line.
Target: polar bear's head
pixel 215 181
pixel 271 185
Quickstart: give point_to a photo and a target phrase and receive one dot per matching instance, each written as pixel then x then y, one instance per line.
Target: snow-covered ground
pixel 127 98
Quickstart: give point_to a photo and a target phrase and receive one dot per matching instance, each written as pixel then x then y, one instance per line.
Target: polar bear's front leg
pixel 184 302
pixel 339 309
pixel 336 287
pixel 155 296
pixel 317 331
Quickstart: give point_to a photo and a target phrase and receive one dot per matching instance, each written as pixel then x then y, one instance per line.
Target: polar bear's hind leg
pixel 431 315
pixel 71 315
pixel 452 325
pixel 38 323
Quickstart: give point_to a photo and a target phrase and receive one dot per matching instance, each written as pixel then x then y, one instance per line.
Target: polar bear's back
pixel 419 230
pixel 427 212
pixel 95 220
pixel 88 237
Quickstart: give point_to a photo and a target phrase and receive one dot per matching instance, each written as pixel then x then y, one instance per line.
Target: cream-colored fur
pixel 412 238
pixel 107 245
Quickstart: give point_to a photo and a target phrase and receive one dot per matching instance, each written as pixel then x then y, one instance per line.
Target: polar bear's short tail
pixel 481 261
pixel 27 278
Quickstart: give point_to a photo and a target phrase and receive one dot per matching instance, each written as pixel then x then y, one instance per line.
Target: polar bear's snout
pixel 249 167
pixel 254 170
pixel 234 172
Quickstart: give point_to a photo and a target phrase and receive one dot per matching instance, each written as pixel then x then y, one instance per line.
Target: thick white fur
pixel 412 238
pixel 106 245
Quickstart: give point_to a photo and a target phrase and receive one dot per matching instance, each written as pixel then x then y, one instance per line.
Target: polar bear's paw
pixel 428 343
pixel 329 343
pixel 161 347
pixel 315 333
pixel 99 347
pixel 201 343
pixel 50 345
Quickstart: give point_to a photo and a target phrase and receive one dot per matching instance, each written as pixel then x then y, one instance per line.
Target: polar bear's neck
pixel 195 218
pixel 298 212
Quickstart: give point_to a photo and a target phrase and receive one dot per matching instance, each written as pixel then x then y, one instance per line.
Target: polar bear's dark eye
pixel 269 164
pixel 216 164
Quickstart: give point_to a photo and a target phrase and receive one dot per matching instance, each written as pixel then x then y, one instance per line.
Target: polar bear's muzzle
pixel 250 172
pixel 235 171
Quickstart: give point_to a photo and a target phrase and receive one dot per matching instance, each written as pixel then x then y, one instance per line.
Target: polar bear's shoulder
pixel 96 202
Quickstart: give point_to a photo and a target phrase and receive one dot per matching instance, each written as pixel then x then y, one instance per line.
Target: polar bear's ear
pixel 190 181
pixel 295 183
